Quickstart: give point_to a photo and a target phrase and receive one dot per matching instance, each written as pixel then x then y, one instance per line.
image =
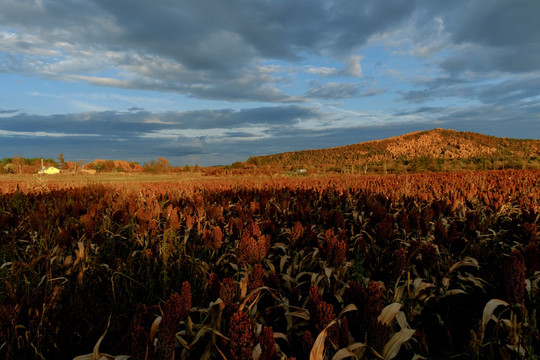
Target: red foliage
pixel 514 277
pixel 241 337
pixel 268 345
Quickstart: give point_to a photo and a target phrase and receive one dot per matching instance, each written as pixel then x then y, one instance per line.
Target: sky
pixel 212 82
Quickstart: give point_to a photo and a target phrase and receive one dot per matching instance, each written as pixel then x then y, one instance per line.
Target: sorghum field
pixel 393 267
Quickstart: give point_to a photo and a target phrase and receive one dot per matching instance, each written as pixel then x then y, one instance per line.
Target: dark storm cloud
pixel 490 35
pixel 128 124
pixel 208 49
pixel 6 111
pixel 509 30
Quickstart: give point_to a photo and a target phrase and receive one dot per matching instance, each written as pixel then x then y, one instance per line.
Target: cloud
pixel 332 90
pixel 8 111
pixel 130 124
pixel 182 46
pixel 210 137
pixel 353 67
pixel 488 36
pixel 466 65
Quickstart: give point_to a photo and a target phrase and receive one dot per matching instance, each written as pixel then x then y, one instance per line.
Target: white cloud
pixel 322 71
pixel 353 66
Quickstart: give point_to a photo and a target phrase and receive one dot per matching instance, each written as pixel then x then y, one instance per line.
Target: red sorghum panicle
pixel 374 301
pixel 335 250
pixel 429 255
pixel 175 309
pixel 325 314
pixel 273 281
pixel 340 254
pixel 307 343
pixel 254 228
pixel 139 337
pixel 241 337
pixel 313 300
pixel 378 335
pixel 207 238
pixel 253 246
pixel 357 295
pixel 186 300
pixel 247 251
pixel 399 262
pixel 296 232
pixel 172 217
pixel 213 238
pixel 217 237
pixel 343 332
pixel 213 285
pixel 139 342
pixel 168 327
pixel 440 233
pixel 532 258
pixel 189 222
pixel 384 230
pixel 530 231
pixel 255 277
pixel 227 292
pixel 514 277
pixel 322 313
pixel 268 344
pixel 64 238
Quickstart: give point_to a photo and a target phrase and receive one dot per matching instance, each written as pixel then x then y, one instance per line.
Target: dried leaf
pixel 489 309
pixel 96 354
pixel 257 351
pixel 328 272
pixel 402 320
pixel 391 349
pixel 350 307
pixel 243 284
pixel 468 261
pixel 317 351
pixel 182 342
pixel 389 313
pixel 300 314
pixel 154 329
pixel 348 351
pixel 475 280
pixel 454 292
pixel 279 335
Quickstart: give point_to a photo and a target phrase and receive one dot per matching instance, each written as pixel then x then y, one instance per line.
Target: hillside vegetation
pixel 433 150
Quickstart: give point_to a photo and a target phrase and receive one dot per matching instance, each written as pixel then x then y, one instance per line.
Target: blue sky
pixel 216 81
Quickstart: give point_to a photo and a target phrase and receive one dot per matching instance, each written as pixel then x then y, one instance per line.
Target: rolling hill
pixel 433 150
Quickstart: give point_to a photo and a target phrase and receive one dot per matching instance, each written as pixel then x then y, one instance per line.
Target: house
pixel 50 170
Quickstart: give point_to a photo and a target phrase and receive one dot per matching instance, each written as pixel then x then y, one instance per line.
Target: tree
pixel 18 162
pixel 163 165
pixel 62 161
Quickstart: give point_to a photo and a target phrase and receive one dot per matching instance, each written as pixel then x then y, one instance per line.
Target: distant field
pixel 28 182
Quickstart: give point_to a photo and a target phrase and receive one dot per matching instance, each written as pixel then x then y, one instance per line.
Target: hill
pixel 433 150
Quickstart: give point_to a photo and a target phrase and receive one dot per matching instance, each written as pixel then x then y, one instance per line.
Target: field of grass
pixel 326 267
